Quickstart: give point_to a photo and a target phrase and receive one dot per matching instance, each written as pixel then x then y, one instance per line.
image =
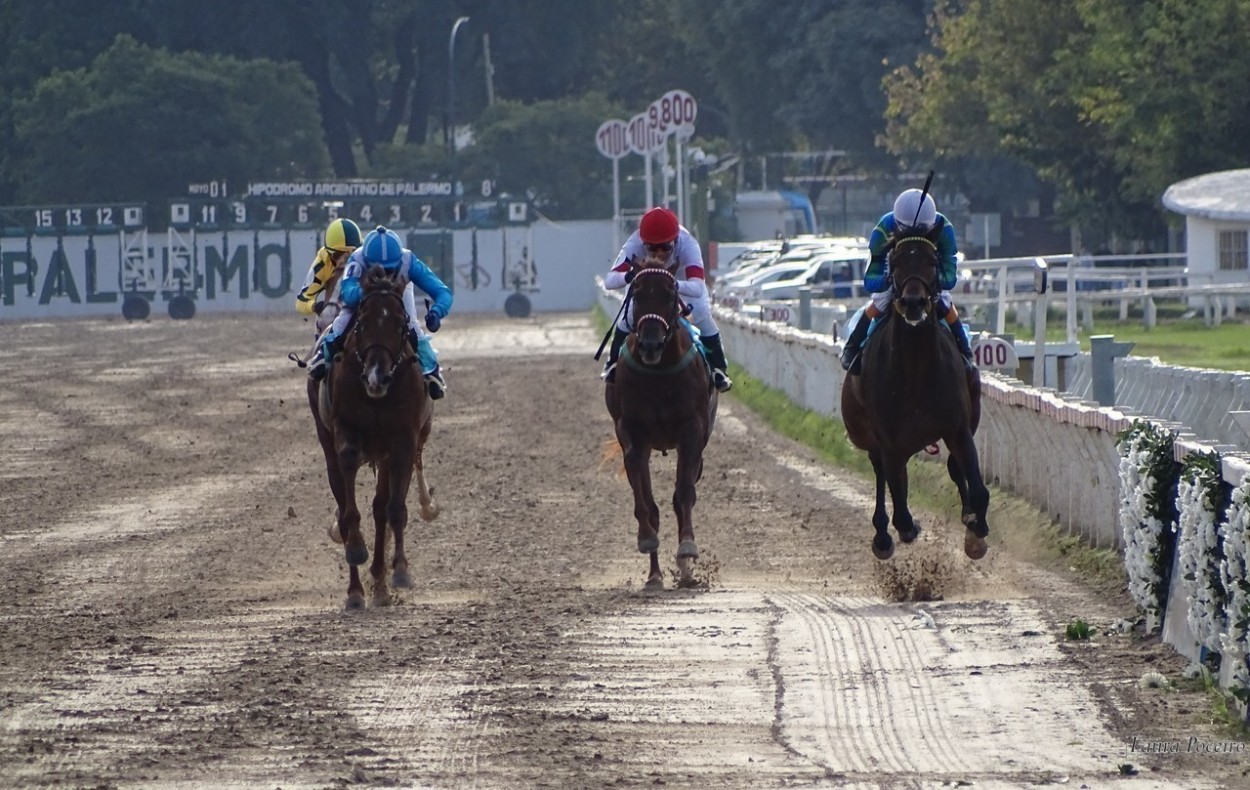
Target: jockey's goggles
pixel 666 247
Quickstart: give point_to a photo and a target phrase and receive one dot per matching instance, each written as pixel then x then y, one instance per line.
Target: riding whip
pixel 927 182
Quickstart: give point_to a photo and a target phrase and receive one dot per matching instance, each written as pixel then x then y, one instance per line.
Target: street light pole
pixel 450 132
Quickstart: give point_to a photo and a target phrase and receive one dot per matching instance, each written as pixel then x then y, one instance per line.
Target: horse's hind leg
pixel 882 543
pixel 977 501
pixel 425 498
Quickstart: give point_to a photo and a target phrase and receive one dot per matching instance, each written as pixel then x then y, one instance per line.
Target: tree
pixel 142 124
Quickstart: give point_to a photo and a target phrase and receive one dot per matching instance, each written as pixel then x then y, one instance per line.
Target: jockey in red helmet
pixel 660 235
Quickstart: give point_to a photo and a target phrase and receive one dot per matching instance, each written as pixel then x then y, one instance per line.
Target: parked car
pixel 828 276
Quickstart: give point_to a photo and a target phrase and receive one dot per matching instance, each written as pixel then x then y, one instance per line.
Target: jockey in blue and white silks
pixel 911 215
pixel 383 247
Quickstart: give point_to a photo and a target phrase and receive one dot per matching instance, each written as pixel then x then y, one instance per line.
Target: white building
pixel 1216 207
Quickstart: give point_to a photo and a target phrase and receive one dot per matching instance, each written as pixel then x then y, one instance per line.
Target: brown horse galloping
pixel 663 399
pixel 373 408
pixel 914 390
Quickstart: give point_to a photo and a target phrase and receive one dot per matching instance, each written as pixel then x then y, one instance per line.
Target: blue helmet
pixel 383 247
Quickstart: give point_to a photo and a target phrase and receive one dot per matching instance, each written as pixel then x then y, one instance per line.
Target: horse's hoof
pixel 401 578
pixel 649 545
pixel 883 552
pixel 335 535
pixel 974 546
pixel 355 602
pixel 357 555
pixel 654 583
pixel 429 513
pixel 909 535
pixel 383 598
pixel 969 520
pixel 687 548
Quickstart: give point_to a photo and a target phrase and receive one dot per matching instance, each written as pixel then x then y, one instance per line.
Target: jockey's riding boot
pixel 851 350
pixel 435 384
pixel 413 339
pixel 614 353
pixel 318 368
pixel 716 357
pixel 961 340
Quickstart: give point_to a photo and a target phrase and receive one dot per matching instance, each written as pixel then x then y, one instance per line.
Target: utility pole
pixel 450 133
pixel 490 70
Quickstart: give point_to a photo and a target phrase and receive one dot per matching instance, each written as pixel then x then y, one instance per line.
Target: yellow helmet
pixel 343 235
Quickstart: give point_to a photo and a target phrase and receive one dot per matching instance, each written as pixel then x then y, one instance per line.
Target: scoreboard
pixel 78 219
pixel 396 213
pixel 301 205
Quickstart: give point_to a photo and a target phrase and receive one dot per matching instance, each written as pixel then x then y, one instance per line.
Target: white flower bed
pixel 1199 549
pixel 1145 520
pixel 1235 574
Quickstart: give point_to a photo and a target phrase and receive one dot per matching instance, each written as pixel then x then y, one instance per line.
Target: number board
pixel 398 213
pixel 209 214
pixel 72 219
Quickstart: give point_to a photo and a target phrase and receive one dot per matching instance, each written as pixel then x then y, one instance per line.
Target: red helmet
pixel 658 226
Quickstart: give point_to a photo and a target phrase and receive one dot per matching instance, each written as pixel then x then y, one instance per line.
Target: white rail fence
pixel 1056 451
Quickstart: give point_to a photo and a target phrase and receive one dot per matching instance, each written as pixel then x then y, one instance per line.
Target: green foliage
pixel 1078 629
pixel 547 147
pixel 1110 102
pixel 143 123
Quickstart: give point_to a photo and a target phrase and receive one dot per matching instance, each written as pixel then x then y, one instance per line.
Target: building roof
pixel 1222 195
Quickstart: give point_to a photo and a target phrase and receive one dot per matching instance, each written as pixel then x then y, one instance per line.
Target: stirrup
pixel 721 380
pixel 317 368
pixel 435 384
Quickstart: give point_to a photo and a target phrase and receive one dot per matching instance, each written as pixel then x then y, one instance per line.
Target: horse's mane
pixel 376 278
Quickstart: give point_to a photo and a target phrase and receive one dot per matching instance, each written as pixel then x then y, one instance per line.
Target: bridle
pixel 396 354
pixel 670 327
pixel 929 284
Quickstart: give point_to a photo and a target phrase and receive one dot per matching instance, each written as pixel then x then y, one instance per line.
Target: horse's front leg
pixel 397 517
pixel 882 543
pixel 896 478
pixel 646 512
pixel 377 568
pixel 349 522
pixel 689 467
pixel 977 500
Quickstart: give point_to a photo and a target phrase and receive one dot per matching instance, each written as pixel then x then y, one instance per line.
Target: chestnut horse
pixel 914 390
pixel 663 399
pixel 373 407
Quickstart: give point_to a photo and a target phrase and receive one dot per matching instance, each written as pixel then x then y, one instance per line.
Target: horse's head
pixel 380 331
pixel 656 309
pixel 914 274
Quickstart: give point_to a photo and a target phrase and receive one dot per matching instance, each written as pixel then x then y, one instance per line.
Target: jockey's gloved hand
pixel 432 321
pixel 629 275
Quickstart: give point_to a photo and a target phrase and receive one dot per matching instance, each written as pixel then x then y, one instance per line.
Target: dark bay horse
pixel 373 408
pixel 663 399
pixel 914 390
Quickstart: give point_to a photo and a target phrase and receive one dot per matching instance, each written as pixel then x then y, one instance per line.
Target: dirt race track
pixel 175 619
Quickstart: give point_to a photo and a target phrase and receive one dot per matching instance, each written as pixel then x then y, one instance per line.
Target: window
pixel 1233 250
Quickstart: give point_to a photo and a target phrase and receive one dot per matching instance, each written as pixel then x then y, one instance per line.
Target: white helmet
pixel 911 214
